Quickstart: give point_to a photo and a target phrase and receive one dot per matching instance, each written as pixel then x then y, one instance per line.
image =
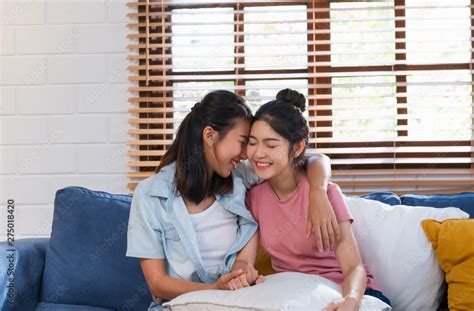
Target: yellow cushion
pixel 453 241
pixel 263 263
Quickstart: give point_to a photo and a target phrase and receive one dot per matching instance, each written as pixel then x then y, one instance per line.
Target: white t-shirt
pixel 216 230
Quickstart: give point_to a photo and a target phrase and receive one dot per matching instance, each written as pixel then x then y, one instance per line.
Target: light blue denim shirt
pixel 160 227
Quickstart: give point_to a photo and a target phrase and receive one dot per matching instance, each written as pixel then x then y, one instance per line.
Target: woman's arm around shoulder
pixel 321 218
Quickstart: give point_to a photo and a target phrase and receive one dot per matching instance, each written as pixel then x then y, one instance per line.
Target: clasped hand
pixel 245 276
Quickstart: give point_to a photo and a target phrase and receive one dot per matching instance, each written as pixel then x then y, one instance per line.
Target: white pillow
pixel 281 291
pixel 394 247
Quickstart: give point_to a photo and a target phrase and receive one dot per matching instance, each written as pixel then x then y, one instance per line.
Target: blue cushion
pixel 85 262
pixel 26 270
pixel 389 198
pixel 43 306
pixel 464 201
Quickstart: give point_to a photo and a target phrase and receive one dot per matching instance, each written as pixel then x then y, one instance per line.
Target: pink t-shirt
pixel 282 229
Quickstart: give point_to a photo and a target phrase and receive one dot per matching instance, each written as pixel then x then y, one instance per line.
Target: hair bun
pixel 293 97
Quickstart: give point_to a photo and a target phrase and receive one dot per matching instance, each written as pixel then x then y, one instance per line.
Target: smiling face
pixel 225 153
pixel 268 151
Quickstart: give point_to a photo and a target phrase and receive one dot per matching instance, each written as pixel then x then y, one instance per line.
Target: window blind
pixel 388 83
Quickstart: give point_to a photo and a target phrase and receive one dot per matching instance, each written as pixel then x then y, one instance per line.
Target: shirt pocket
pixel 171 234
pixel 176 253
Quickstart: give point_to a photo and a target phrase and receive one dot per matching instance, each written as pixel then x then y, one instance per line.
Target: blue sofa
pixel 82 266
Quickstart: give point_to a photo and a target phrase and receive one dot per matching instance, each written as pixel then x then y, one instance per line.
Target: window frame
pixel 160 92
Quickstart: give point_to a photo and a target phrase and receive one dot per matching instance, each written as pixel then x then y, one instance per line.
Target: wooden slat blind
pixel 389 83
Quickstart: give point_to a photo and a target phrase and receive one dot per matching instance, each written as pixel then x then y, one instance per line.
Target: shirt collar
pixel 163 184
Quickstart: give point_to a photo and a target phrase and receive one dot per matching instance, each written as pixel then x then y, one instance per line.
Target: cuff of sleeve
pixel 141 255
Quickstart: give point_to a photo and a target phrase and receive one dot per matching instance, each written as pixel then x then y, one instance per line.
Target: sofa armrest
pixel 20 281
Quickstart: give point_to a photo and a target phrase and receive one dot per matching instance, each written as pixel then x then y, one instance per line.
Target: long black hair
pixel 285 116
pixel 220 110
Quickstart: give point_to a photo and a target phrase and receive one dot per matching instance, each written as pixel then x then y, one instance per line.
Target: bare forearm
pixel 241 264
pixel 355 283
pixel 319 171
pixel 167 287
pixel 248 254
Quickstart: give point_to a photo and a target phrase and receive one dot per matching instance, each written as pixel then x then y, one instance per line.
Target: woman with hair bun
pixel 277 142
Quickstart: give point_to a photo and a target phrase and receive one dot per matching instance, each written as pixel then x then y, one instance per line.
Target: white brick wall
pixel 63 112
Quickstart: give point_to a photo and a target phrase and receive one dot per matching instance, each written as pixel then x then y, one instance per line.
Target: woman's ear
pixel 299 148
pixel 209 136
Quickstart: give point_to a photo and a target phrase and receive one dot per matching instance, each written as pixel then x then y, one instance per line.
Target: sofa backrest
pixel 389 198
pixel 85 261
pixel 464 201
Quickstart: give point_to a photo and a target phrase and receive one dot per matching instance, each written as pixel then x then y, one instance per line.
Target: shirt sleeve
pixel 246 172
pixel 339 205
pixel 144 235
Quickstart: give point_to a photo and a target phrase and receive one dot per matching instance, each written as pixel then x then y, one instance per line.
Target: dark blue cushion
pixel 24 263
pixel 389 198
pixel 85 262
pixel 464 201
pixel 43 306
